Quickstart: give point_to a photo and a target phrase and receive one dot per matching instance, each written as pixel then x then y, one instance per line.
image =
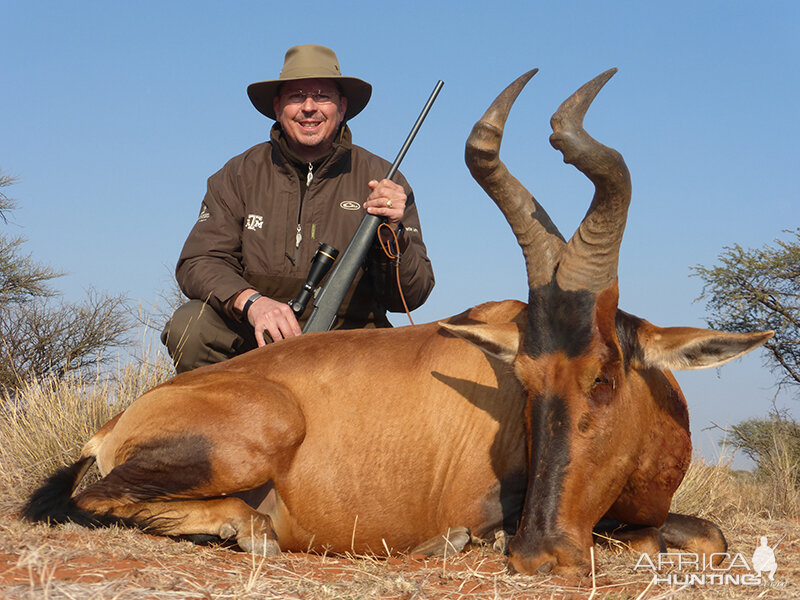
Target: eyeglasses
pixel 299 97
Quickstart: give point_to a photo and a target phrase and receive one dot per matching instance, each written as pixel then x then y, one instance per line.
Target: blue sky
pixel 113 115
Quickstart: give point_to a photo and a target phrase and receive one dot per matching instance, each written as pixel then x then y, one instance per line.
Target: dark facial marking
pixel 559 321
pixel 550 427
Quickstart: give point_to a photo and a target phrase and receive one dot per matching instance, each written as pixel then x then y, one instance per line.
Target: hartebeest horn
pixel 539 238
pixel 592 254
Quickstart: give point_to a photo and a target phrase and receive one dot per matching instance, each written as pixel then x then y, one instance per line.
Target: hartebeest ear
pixel 500 341
pixel 677 348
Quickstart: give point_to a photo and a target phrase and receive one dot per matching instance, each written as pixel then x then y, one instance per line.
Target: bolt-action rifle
pixel 329 297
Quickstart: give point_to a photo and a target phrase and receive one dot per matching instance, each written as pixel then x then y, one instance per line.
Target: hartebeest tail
pixel 53 502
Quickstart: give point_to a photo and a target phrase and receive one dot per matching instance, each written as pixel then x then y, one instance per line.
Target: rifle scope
pixel 321 263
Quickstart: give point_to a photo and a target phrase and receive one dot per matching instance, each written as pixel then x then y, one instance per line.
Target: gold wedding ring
pixel 388 204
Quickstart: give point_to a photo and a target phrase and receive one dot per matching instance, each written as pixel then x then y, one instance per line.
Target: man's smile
pixel 309 124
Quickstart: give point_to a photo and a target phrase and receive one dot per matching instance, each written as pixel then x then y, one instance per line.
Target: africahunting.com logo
pixel 686 568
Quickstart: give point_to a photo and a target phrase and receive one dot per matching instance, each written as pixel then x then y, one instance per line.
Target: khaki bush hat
pixel 310 62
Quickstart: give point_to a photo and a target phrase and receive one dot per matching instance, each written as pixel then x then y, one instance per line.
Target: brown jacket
pixel 246 234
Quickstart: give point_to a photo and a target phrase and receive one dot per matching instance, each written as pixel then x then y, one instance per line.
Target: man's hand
pixel 270 316
pixel 387 199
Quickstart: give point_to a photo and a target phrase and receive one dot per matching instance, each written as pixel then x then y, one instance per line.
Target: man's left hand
pixel 387 199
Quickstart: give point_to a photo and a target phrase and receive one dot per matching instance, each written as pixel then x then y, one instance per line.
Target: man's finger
pixel 288 324
pixel 295 326
pixel 260 337
pixel 274 332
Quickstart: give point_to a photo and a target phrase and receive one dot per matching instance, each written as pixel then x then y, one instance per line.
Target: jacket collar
pixel 333 163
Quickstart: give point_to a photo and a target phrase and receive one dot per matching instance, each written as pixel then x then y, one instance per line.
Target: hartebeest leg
pixel 638 538
pixel 690 534
pixel 228 518
pixel 694 534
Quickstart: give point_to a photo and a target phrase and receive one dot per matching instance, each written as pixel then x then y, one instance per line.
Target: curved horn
pixel 539 238
pixel 592 255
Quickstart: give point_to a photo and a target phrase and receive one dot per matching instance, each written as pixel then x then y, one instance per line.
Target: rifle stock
pixel 330 296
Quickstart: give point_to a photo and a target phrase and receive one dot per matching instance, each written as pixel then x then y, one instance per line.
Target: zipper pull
pixel 310 175
pixel 298 238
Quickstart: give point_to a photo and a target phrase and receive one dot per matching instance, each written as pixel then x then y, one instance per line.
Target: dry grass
pixel 717 492
pixel 79 564
pixel 47 422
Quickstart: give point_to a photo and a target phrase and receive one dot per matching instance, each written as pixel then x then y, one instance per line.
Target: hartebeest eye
pixel 603 388
pixel 605 380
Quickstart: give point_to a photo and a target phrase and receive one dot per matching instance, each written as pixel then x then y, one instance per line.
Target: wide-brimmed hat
pixel 310 62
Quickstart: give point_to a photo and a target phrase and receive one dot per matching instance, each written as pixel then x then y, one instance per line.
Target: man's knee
pixel 197 335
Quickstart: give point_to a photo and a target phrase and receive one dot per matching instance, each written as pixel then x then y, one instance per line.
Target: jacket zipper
pixel 299 235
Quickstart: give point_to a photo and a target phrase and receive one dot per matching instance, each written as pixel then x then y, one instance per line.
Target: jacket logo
pixel 350 205
pixel 254 222
pixel 204 214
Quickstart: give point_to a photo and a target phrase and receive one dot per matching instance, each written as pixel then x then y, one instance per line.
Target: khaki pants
pixel 197 335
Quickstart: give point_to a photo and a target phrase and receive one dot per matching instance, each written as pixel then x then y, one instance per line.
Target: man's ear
pixel 499 341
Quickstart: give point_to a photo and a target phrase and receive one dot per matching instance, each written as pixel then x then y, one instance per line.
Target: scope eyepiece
pixel 320 265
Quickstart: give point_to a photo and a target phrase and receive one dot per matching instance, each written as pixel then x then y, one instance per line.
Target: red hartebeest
pixel 560 414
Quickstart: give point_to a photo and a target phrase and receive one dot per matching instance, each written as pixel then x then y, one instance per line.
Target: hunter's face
pixel 310 112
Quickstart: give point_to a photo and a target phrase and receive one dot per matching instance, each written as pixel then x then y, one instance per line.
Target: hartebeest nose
pixel 545 563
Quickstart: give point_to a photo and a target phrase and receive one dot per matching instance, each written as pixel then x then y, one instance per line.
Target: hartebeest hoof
pixel 259 545
pixel 501 541
pixel 258 537
pixel 449 543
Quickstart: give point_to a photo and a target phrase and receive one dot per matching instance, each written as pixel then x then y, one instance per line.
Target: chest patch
pixel 350 205
pixel 254 222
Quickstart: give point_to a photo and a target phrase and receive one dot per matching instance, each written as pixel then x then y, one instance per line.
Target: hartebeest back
pixel 558 415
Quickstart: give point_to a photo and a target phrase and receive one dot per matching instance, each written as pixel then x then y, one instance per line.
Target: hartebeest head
pixel 593 374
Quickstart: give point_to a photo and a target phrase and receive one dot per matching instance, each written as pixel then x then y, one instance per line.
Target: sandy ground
pixel 74 563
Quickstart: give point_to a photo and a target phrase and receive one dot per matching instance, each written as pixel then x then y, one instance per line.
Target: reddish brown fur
pixel 379 456
pixel 312 430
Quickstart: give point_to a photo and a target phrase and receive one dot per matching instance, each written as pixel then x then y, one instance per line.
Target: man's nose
pixel 308 104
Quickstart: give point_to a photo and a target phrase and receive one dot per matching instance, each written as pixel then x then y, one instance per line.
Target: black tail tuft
pixel 52 503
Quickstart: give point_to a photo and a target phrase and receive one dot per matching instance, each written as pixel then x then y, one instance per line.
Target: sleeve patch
pixel 204 214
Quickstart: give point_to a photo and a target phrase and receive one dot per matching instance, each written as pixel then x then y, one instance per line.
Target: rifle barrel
pixel 407 144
